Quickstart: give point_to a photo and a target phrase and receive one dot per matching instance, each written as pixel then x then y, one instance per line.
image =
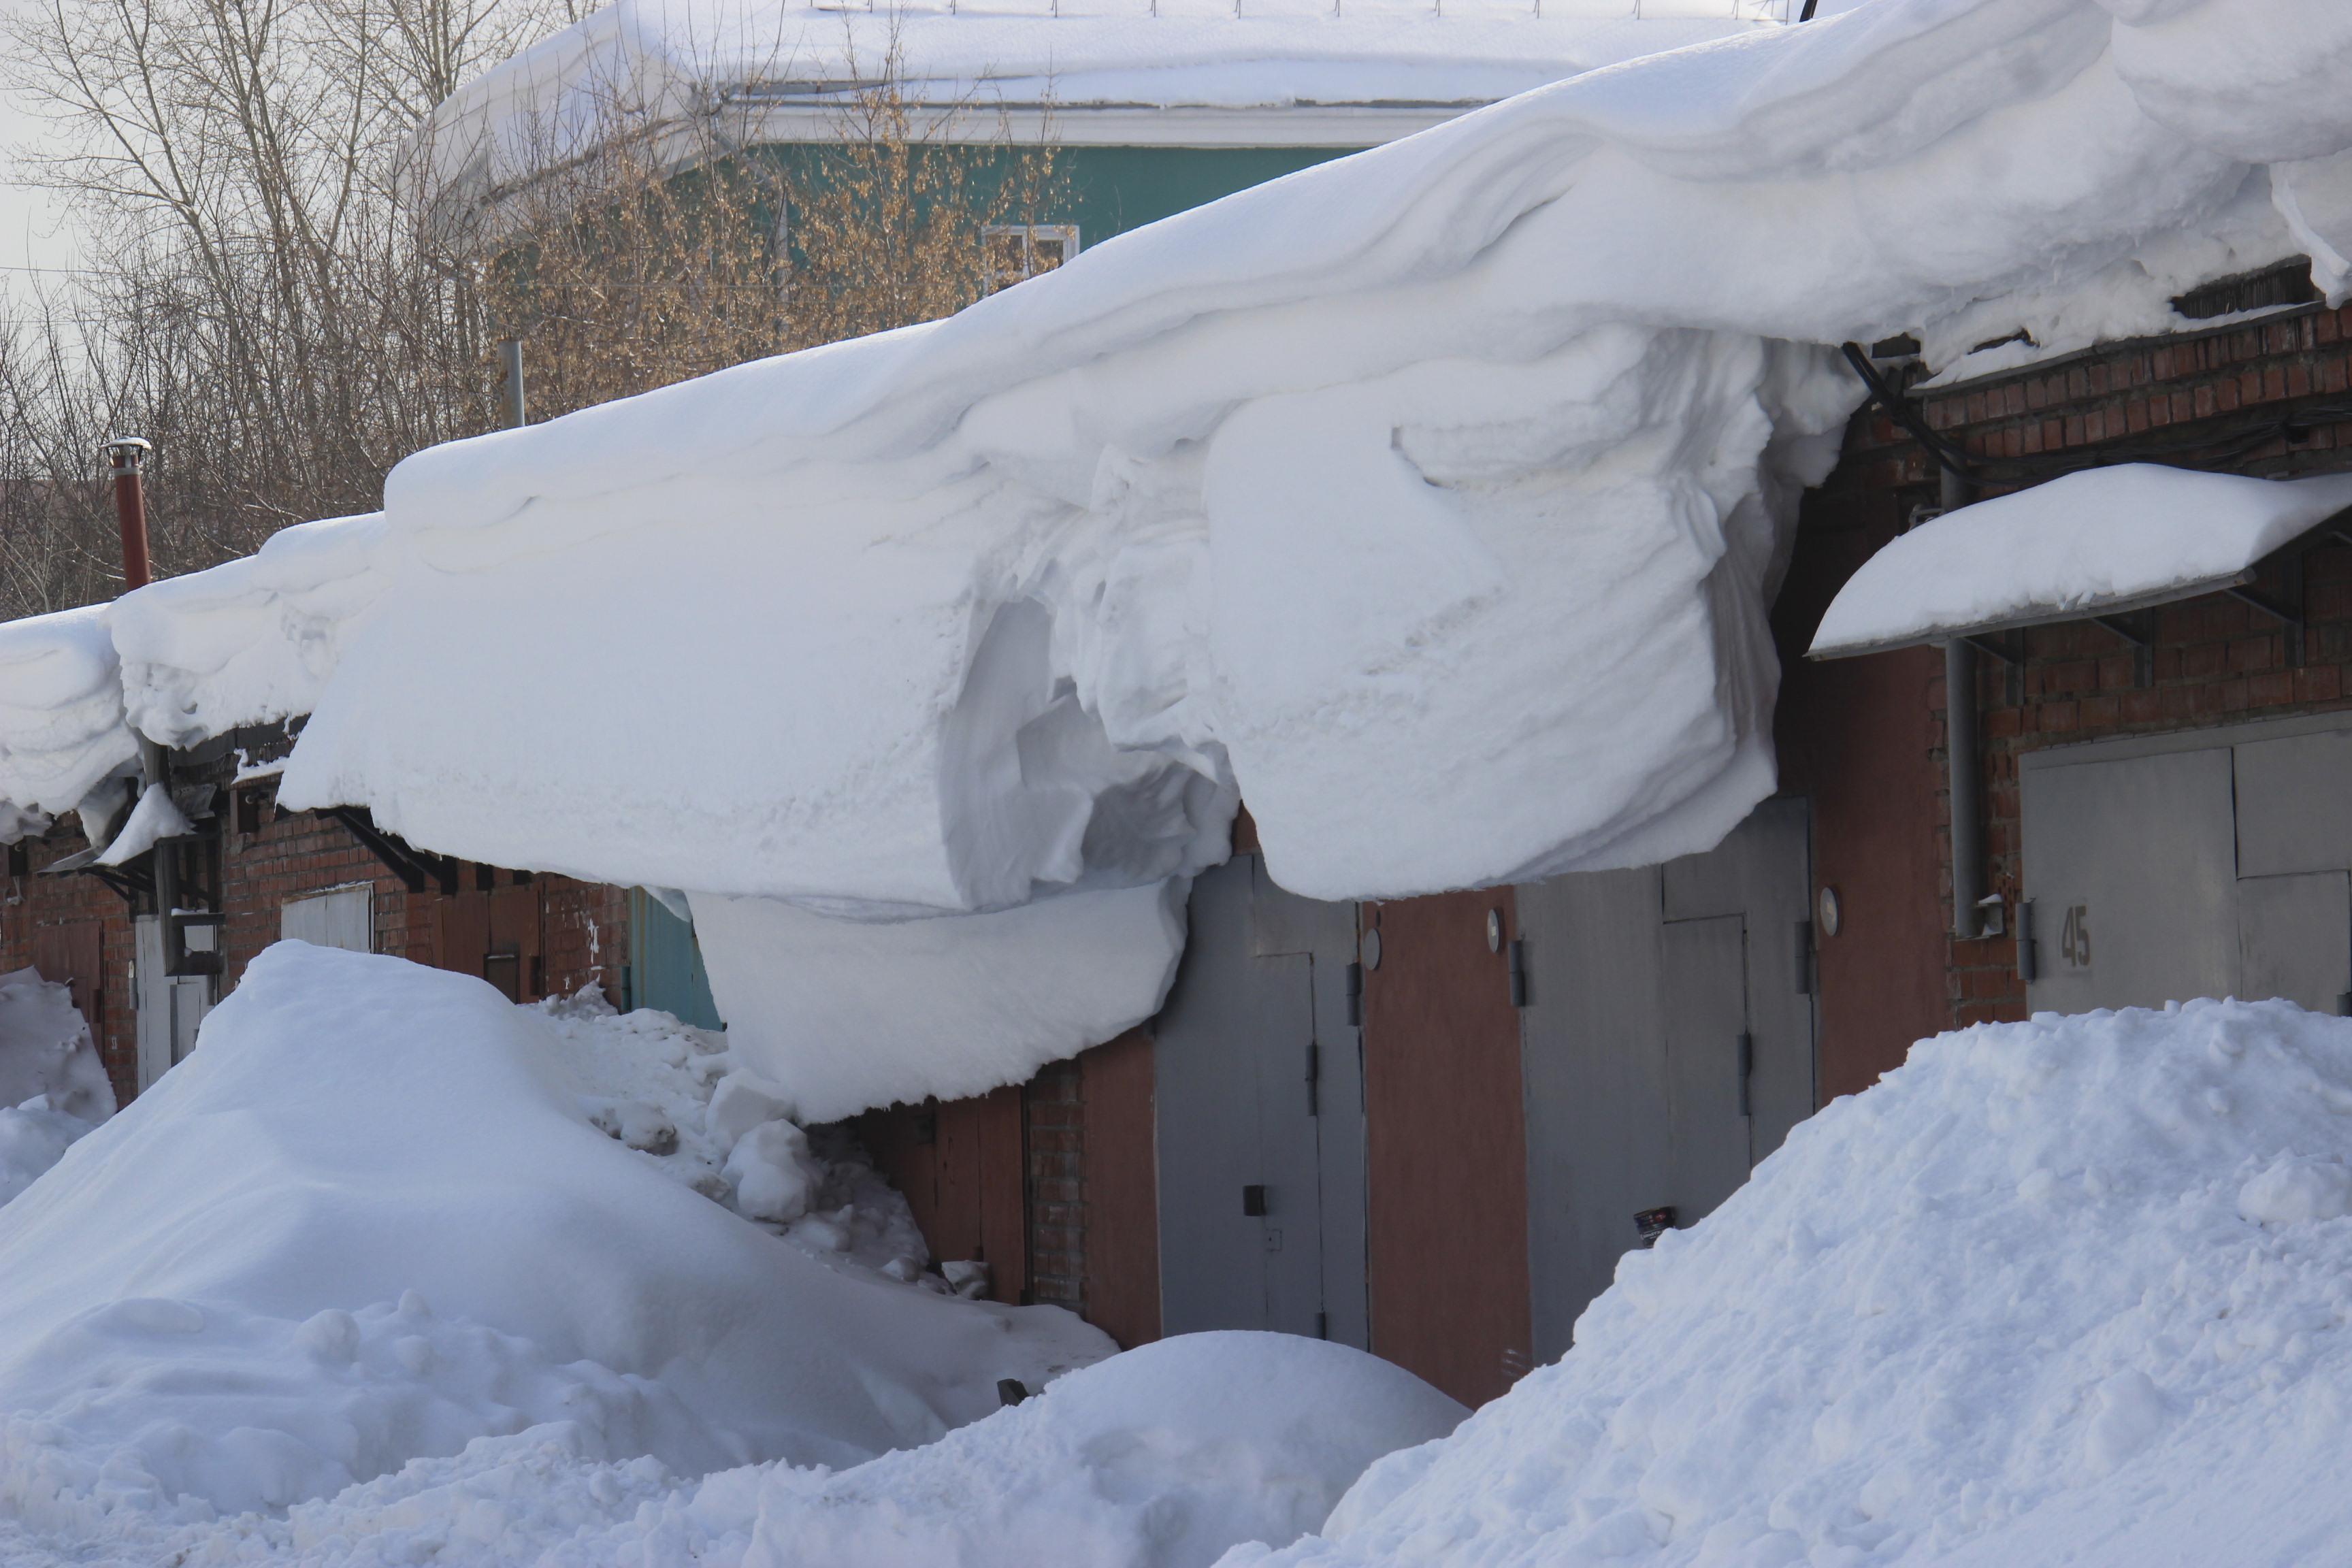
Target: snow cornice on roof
pixel 1197 73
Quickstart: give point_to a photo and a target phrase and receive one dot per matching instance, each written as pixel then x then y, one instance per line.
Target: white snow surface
pixel 965 1002
pixel 46 1051
pixel 2071 1291
pixel 369 1221
pixel 61 729
pixel 668 59
pixel 1162 1457
pixel 249 642
pixel 2091 543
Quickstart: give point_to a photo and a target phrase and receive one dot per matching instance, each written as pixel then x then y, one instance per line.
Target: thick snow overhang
pixel 61 730
pixel 2104 542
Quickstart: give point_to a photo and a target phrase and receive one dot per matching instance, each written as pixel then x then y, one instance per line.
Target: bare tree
pixel 286 308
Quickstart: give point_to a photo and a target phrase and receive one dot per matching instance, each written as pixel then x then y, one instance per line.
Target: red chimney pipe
pixel 129 455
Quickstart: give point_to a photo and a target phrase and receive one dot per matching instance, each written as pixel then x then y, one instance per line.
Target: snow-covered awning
pixel 2101 543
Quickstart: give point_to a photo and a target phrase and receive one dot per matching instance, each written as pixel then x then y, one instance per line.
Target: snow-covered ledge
pixel 2099 543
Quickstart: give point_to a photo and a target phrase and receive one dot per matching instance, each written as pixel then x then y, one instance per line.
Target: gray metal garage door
pixel 1259 1095
pixel 1648 992
pixel 2211 864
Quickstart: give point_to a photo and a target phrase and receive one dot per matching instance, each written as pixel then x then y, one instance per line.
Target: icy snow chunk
pixel 742 1100
pixel 46 1051
pixel 155 817
pixel 843 1016
pixel 2101 540
pixel 772 1172
pixel 2296 1191
pixel 635 1123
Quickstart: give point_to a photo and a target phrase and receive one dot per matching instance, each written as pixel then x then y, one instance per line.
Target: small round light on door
pixel 1826 912
pixel 1493 930
pixel 1372 948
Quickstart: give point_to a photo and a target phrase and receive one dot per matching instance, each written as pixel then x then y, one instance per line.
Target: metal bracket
pixel 414 867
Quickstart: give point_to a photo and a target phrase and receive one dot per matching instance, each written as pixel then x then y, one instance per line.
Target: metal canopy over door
pixel 1648 993
pixel 1445 1142
pixel 1259 1107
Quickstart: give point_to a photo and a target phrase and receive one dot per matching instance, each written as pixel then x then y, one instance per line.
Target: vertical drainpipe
pixel 518 411
pixel 1960 755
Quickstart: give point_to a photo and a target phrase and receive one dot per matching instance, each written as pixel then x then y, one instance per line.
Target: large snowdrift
pixel 370 1219
pixel 2077 1290
pixel 1162 1457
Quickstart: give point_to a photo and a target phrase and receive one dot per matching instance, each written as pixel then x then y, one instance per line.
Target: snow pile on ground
pixel 34 1136
pixel 2092 542
pixel 2077 1290
pixel 368 1220
pixel 1162 1457
pixel 45 1049
pixel 674 1093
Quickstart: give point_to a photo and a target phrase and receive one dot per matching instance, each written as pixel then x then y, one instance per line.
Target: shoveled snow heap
pixel 2077 1290
pixel 370 1219
pixel 53 1087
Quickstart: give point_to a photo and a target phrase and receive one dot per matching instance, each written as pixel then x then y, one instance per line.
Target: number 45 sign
pixel 2075 937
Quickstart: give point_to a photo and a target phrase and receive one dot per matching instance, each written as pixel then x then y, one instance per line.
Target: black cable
pixel 1809 10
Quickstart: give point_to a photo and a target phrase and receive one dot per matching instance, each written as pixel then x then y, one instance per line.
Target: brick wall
pixel 1054 1106
pixel 31 903
pixel 2266 398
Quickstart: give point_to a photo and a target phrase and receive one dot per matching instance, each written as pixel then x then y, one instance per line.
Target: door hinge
pixel 1746 1069
pixel 1313 1078
pixel 1355 994
pixel 1804 958
pixel 1518 959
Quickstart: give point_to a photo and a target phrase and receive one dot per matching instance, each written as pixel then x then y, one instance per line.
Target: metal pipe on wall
pixel 128 454
pixel 1964 774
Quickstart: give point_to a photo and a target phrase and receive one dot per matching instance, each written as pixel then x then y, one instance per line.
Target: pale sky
pixel 30 232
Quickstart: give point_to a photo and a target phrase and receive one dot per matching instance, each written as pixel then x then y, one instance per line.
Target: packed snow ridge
pixel 390 1270
pixel 2073 1290
pixel 1454 476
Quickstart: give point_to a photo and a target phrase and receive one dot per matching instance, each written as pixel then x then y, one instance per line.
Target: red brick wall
pixel 2266 399
pixel 584 932
pixel 31 902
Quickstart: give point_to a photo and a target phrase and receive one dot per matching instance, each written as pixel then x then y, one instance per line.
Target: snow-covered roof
pixel 61 729
pixel 1279 73
pixel 1432 497
pixel 2098 542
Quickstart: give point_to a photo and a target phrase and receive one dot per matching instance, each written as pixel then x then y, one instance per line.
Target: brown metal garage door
pixel 1447 1144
